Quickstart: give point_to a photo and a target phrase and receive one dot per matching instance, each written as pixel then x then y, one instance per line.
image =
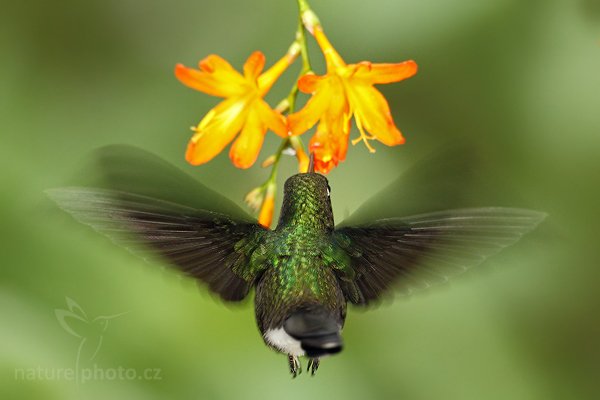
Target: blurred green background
pixel 519 80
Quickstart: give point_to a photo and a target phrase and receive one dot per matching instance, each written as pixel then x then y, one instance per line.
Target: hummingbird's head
pixel 306 202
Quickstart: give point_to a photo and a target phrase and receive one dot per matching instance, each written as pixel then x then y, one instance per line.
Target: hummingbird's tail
pixel 317 330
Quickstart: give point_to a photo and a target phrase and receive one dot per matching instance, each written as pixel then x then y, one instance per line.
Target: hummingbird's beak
pixel 311 163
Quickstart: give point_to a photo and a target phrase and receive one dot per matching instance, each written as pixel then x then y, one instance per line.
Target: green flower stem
pixel 307 16
pixel 289 103
pixel 273 176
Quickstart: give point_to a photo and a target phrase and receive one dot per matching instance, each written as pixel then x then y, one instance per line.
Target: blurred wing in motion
pixel 130 169
pixel 148 211
pixel 450 178
pixel 416 252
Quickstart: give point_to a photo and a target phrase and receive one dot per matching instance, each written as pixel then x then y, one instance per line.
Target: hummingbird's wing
pixel 154 209
pixel 457 176
pixel 416 252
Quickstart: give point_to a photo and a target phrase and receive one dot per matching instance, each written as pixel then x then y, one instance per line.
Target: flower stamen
pixel 363 137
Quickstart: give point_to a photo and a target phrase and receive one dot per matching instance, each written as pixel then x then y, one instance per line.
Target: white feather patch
pixel 280 339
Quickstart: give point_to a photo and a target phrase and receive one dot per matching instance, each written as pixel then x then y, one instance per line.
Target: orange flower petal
pixel 321 145
pixel 301 156
pixel 342 142
pixel 216 130
pixel 271 118
pixel 222 82
pixel 372 112
pixel 213 62
pixel 386 73
pixel 199 80
pixel 330 144
pixel 309 83
pixel 224 75
pixel 268 78
pixel 254 65
pixel 332 58
pixel 245 149
pixel 301 121
pixel 336 122
pixel 267 209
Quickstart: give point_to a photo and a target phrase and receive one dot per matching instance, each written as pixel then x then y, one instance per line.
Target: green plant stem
pixel 273 176
pixel 289 103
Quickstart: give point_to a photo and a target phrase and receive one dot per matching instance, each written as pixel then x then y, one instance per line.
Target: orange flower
pixel 242 110
pixel 265 217
pixel 346 90
pixel 262 200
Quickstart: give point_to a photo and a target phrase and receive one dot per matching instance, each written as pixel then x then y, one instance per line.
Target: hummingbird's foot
pixel 313 365
pixel 295 366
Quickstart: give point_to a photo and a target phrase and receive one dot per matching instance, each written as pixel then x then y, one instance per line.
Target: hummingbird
pixel 306 270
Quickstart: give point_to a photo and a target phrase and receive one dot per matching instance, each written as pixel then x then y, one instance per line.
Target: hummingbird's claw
pixel 295 366
pixel 313 365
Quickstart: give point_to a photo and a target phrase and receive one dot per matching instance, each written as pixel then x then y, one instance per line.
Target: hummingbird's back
pixel 300 307
pixel 297 282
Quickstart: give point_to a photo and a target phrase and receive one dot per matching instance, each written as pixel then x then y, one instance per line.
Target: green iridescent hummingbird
pixel 306 270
